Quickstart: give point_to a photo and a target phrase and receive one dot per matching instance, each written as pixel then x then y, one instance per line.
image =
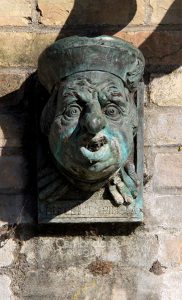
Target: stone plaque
pixel 94 209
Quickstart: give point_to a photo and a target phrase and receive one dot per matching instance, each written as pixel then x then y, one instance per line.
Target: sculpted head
pixel 90 121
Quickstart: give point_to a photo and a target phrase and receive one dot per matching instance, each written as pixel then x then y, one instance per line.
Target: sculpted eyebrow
pixel 113 91
pixel 69 93
pixel 72 97
pixel 109 88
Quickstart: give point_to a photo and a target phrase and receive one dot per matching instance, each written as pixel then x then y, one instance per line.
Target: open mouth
pixel 95 145
pixel 96 150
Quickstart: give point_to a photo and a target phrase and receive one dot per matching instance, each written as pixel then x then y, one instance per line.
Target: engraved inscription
pixel 90 210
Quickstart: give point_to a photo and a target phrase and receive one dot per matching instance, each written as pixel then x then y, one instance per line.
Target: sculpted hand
pixel 51 185
pixel 123 187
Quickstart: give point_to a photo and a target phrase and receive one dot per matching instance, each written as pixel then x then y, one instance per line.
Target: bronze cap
pixel 78 54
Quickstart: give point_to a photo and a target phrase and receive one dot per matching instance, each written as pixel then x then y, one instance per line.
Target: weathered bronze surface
pixel 91 121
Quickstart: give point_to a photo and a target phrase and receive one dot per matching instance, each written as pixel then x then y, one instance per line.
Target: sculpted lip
pixel 100 155
pixel 95 144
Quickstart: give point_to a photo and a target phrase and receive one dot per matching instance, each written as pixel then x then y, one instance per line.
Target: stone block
pixel 163 211
pixel 17 209
pixel 171 287
pixel 5 292
pixel 165 286
pixel 168 173
pixel 170 249
pixel 15 12
pixel 55 12
pixel 67 260
pixel 121 284
pixel 26 48
pixel 79 283
pixel 59 253
pixel 14 173
pixel 165 89
pixel 11 130
pixel 162 128
pixel 165 12
pixel 7 249
pixel 10 82
pixel 159 47
pixel 103 12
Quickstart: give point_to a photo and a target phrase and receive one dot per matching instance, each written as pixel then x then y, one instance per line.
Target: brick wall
pixel 113 261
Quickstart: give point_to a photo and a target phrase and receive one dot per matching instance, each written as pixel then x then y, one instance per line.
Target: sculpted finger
pixel 58 193
pixel 47 180
pixel 52 187
pixel 117 197
pixel 124 191
pixel 45 172
pixel 129 183
pixel 48 190
pixel 130 169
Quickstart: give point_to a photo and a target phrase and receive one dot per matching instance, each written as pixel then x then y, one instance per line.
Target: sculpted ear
pixel 49 112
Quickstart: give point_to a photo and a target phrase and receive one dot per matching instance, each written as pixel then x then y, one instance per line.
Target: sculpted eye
pixel 72 112
pixel 112 111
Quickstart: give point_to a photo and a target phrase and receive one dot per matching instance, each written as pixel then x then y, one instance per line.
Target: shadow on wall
pixel 92 17
pixel 17 198
pixel 167 47
pixel 18 153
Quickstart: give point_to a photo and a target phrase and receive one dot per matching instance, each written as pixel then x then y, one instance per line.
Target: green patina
pixel 91 118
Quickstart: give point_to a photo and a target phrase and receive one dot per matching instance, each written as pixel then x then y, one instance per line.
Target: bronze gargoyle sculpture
pixel 91 117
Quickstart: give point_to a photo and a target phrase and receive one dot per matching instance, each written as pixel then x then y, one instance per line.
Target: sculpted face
pixel 91 135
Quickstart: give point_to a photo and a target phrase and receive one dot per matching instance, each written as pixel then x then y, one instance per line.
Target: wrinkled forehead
pixel 95 80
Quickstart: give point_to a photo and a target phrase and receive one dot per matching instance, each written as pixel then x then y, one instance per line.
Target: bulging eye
pixel 72 112
pixel 112 111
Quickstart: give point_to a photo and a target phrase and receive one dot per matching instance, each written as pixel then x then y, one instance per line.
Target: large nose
pixel 94 120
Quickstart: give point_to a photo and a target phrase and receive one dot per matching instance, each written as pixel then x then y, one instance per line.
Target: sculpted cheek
pixel 124 149
pixel 65 134
pixel 119 144
pixel 58 139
